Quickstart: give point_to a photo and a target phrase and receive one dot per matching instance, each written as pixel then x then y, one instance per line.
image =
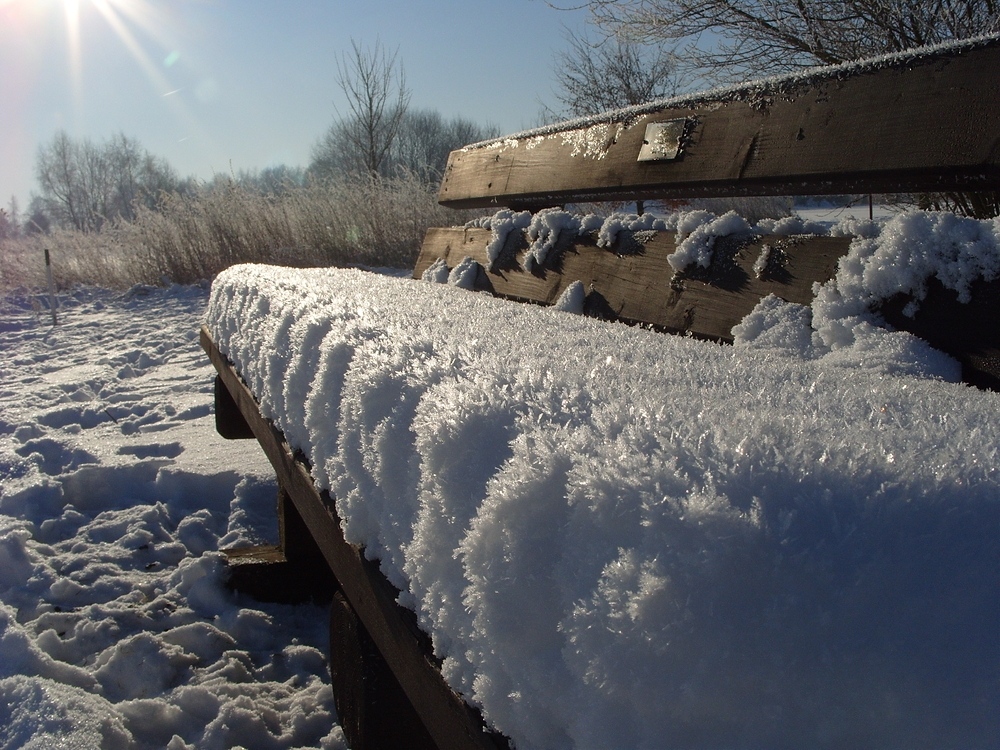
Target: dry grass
pixel 193 238
pixel 188 239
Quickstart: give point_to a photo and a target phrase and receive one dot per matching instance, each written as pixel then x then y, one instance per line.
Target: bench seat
pixel 614 537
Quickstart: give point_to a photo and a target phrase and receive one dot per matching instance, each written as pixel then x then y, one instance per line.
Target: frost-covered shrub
pixel 752 208
pixel 188 238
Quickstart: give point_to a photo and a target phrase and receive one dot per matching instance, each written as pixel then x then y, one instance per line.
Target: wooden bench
pixel 912 123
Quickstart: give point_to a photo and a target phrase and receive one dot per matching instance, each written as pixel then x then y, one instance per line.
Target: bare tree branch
pixel 723 41
pixel 610 74
pixel 377 98
pixel 83 184
pixel 726 40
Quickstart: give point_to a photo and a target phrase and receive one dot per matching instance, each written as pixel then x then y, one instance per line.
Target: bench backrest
pixel 927 121
pixel 920 122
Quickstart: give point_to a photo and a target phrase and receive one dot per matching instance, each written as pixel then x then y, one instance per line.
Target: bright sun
pixel 124 17
pixel 143 28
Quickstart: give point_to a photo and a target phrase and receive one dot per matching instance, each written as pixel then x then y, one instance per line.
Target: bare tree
pixel 612 73
pixel 95 187
pixel 377 98
pixel 8 229
pixel 83 184
pixel 13 217
pixel 334 154
pixel 37 220
pixel 734 39
pixel 277 179
pixel 425 139
pixel 57 171
pixel 420 147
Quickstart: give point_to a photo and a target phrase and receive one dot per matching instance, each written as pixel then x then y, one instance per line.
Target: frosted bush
pixel 789 225
pixel 191 238
pixel 754 208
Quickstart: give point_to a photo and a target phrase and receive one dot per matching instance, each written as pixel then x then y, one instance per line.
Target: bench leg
pixel 291 572
pixel 229 420
pixel 371 706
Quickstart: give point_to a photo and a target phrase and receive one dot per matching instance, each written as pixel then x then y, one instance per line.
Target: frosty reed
pixel 372 222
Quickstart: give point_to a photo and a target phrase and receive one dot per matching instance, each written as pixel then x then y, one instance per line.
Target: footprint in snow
pixel 54 458
pixel 84 417
pixel 155 450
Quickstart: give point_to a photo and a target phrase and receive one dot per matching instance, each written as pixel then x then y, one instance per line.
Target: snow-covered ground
pixel 616 539
pixel 115 494
pixel 619 539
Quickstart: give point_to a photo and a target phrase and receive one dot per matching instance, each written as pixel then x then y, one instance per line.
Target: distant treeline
pixel 84 186
pixel 190 237
pixel 115 215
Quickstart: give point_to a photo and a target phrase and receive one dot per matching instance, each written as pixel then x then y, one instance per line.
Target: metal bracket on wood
pixel 663 141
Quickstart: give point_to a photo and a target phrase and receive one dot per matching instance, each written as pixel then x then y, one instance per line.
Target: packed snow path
pixel 115 494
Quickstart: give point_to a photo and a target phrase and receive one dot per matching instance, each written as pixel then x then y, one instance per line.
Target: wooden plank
pixel 968 331
pixel 633 281
pixel 924 124
pixel 372 709
pixel 452 724
pixel 293 570
pixel 637 286
pixel 229 422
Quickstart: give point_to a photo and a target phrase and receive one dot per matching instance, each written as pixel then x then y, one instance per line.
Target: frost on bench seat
pixel 616 537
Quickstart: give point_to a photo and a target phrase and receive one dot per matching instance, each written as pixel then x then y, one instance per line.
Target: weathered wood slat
pixel 636 284
pixel 229 422
pixel 451 723
pixel 293 570
pixel 926 124
pixel 968 331
pixel 371 707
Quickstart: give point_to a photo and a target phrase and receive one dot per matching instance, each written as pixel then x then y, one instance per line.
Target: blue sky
pixel 215 85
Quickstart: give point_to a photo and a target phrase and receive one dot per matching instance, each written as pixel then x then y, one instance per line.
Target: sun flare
pixel 125 18
pixel 76 39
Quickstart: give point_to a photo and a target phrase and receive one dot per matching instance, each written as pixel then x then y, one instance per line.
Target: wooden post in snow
pixel 52 289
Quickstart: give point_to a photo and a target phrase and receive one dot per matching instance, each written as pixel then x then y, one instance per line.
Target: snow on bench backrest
pixel 934 274
pixel 925 120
